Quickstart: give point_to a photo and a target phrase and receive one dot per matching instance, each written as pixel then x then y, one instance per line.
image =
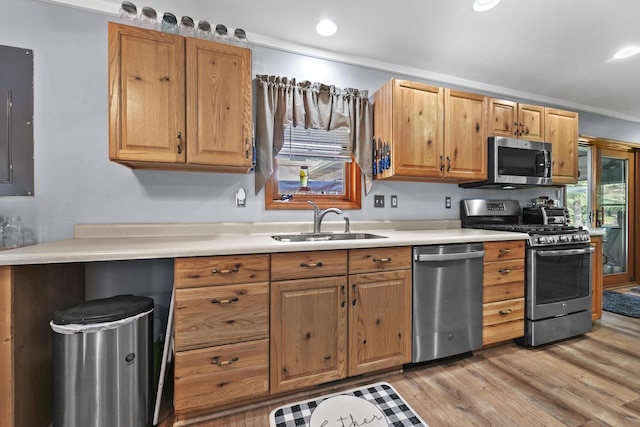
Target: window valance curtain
pixel 282 101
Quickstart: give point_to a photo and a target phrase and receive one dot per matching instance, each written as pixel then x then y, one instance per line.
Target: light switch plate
pixel 394 201
pixel 378 201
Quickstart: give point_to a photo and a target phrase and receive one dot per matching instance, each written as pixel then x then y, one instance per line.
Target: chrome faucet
pixel 318 215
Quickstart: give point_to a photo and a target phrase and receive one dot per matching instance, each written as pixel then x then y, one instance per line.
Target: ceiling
pixel 549 51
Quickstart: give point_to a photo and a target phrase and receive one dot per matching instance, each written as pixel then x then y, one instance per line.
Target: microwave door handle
pixel 541 162
pixel 547 163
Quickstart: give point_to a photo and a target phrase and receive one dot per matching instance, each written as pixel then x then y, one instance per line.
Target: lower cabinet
pixel 308 332
pixel 220 375
pixel 326 327
pixel 379 321
pixel 221 331
pixel 503 307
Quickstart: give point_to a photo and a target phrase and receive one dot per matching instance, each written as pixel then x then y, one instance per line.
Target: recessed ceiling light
pixel 627 52
pixel 326 28
pixel 484 5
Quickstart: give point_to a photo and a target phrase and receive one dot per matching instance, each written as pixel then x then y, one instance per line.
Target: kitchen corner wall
pixel 76 183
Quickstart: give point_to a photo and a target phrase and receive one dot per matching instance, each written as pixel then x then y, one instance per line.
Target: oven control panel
pixel 559 239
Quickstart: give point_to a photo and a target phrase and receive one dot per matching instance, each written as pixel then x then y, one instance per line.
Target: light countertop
pixel 113 242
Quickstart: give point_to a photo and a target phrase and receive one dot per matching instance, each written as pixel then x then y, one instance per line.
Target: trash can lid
pixel 103 310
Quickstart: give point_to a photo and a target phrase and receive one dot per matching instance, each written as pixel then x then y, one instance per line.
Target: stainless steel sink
pixel 320 237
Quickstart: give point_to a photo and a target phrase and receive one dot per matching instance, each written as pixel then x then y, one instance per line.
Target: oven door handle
pixel 450 257
pixel 564 252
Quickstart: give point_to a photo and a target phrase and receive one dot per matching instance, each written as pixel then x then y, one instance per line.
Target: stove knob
pixel 542 239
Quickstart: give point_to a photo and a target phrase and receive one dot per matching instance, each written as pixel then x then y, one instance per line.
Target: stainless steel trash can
pixel 103 363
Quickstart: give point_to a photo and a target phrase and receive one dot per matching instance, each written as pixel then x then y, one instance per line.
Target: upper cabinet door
pixel 218 104
pixel 465 142
pixel 418 136
pixel 503 118
pixel 561 130
pixel 146 95
pixel 531 122
pixel 408 128
pixel 515 120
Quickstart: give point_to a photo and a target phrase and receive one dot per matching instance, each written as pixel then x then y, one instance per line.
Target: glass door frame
pixel 631 153
pixel 628 276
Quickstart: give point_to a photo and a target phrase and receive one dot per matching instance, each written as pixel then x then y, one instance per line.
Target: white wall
pixel 76 183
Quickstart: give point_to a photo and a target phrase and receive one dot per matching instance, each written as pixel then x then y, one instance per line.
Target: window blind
pixel 316 144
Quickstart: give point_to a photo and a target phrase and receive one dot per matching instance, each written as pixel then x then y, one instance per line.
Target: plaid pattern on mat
pixel 397 411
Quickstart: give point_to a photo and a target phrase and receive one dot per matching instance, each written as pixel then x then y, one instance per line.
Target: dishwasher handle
pixel 449 257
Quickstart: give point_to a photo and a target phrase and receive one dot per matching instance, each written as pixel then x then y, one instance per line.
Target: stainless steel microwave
pixel 516 163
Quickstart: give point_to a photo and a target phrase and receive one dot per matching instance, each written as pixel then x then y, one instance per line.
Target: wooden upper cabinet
pixel 146 95
pixel 561 130
pixel 465 136
pixel 408 117
pixel 431 133
pixel 218 104
pixel 178 103
pixel 516 120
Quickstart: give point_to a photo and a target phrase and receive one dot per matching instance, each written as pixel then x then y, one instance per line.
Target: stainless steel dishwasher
pixel 447 300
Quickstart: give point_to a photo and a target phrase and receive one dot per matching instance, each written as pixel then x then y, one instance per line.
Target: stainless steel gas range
pixel 557 265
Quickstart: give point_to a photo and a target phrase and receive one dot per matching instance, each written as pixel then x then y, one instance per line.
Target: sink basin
pixel 320 237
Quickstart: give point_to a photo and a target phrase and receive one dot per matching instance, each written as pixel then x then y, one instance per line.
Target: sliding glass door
pixel 615 214
pixel 604 197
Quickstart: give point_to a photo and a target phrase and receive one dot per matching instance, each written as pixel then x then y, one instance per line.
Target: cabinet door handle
pixel 232 270
pixel 354 289
pixel 215 360
pixel 312 265
pixel 505 251
pixel 505 270
pixel 179 142
pixel 504 312
pixel 382 260
pixel 441 163
pixel 448 163
pixel 224 301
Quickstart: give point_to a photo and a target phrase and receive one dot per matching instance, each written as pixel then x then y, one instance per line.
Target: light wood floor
pixel 591 381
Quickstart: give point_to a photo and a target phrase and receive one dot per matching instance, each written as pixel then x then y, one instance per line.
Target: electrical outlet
pixel 394 201
pixel 378 201
pixel 447 202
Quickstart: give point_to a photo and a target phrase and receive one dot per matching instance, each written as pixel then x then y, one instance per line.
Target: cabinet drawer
pixel 376 259
pixel 221 314
pixel 221 270
pixel 496 273
pixel 299 265
pixel 500 332
pixel 216 376
pixel 502 291
pixel 502 311
pixel 508 249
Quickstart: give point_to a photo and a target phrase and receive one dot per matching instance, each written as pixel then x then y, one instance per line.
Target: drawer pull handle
pixel 505 270
pixel 382 260
pixel 506 251
pixel 224 301
pixel 314 265
pixel 233 270
pixel 216 361
pixel 505 312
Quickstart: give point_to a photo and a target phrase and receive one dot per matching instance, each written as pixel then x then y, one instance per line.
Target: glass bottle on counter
pixel 13 232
